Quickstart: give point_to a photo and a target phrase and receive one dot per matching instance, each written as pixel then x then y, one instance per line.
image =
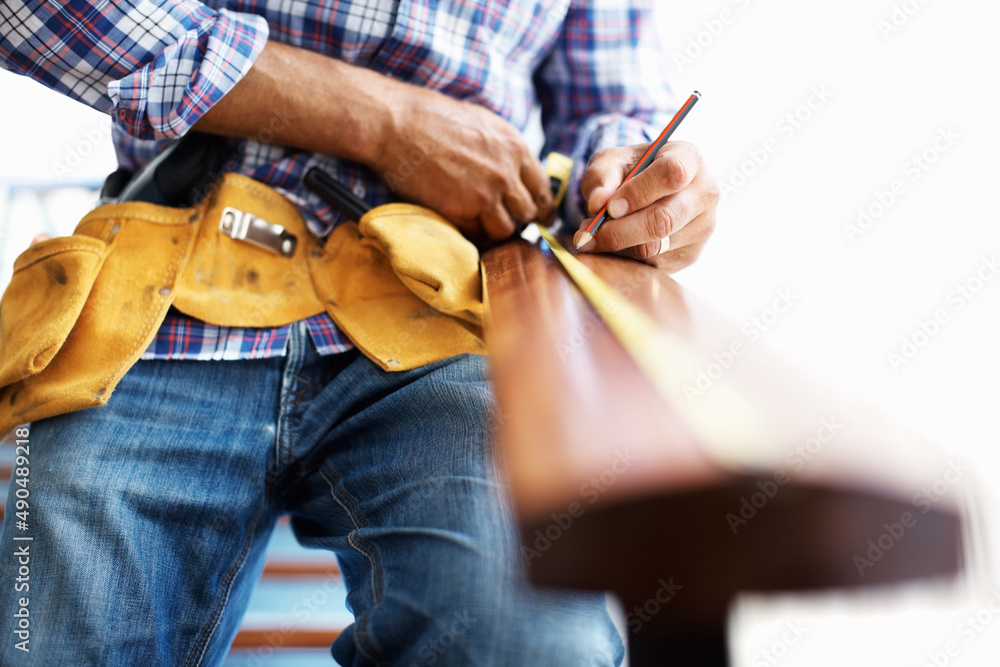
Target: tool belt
pixel 80 310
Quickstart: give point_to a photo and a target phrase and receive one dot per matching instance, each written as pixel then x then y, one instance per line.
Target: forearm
pixel 475 168
pixel 300 99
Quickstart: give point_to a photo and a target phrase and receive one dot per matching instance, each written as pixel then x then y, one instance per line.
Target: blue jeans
pixel 150 517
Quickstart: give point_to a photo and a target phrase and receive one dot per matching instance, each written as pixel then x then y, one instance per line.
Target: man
pixel 151 513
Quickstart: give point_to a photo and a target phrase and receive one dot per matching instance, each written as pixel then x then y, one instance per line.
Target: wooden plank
pixel 615 491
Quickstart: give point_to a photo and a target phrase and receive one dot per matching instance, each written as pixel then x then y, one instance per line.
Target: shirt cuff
pixel 598 133
pixel 165 98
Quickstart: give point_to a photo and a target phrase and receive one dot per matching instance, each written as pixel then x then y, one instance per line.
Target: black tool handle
pixel 335 193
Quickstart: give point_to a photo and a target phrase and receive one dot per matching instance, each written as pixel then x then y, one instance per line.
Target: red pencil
pixel 646 160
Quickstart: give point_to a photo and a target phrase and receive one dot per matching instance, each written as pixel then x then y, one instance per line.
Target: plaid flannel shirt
pixel 157 66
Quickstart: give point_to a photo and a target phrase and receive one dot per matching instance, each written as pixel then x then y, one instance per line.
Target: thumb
pixel 601 195
pixel 605 174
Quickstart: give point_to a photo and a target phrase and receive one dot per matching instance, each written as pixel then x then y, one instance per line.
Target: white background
pixel 891 89
pixel 892 92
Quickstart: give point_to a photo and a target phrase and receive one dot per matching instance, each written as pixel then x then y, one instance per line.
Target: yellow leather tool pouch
pixel 60 271
pixel 408 293
pixel 65 345
pixel 430 256
pixel 403 285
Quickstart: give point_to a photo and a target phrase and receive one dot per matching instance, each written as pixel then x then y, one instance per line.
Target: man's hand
pixel 664 216
pixel 460 159
pixel 456 158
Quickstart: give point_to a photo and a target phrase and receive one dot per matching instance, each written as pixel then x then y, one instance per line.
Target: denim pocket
pixel 43 301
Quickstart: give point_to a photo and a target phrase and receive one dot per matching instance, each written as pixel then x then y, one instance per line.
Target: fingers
pixel 526 193
pixel 520 203
pixel 497 223
pixel 661 219
pixel 508 201
pixel 683 249
pixel 673 169
pixel 536 181
pixel 605 173
pixel 686 245
pixel 38 239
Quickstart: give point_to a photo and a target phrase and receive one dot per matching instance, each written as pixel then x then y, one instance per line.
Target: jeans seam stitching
pixel 226 585
pixel 289 401
pixel 359 521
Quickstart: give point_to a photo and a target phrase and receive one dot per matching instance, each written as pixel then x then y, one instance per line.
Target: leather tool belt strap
pixel 80 310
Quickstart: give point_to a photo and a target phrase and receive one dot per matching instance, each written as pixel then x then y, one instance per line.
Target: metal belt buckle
pixel 244 226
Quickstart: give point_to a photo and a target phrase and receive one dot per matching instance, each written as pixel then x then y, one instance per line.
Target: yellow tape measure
pixel 722 420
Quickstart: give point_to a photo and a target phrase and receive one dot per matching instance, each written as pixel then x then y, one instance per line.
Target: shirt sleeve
pixel 156 65
pixel 603 85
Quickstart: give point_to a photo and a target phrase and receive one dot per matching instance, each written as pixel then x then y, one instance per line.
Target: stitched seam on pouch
pixel 171 278
pixel 367 341
pixel 178 220
pixel 398 209
pixel 55 252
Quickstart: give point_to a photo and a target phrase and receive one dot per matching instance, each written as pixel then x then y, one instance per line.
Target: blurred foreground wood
pixel 615 492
